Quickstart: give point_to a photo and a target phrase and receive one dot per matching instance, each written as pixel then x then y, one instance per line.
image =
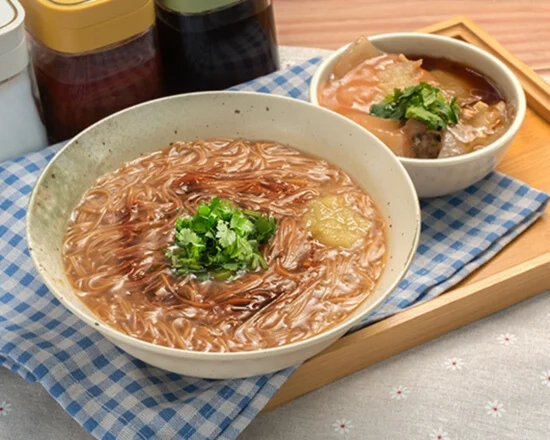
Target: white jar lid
pixel 13 49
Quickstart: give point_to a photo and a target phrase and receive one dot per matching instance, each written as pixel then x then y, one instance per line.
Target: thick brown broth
pixel 480 84
pixel 114 249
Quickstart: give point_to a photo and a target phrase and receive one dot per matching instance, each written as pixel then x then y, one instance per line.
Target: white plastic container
pixel 21 129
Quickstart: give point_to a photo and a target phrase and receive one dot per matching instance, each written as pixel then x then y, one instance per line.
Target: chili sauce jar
pixel 91 58
pixel 215 44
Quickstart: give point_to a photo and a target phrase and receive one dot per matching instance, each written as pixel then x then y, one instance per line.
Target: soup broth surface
pixel 325 258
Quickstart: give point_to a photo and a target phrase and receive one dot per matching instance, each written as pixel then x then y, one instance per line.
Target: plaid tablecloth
pixel 115 396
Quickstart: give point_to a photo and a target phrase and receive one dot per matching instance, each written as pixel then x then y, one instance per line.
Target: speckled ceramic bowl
pixel 438 177
pixel 151 126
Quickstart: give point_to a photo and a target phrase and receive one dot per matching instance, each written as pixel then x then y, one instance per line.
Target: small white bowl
pixel 151 126
pixel 438 177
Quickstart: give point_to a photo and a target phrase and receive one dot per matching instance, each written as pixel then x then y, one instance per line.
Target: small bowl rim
pixel 518 94
pixel 115 335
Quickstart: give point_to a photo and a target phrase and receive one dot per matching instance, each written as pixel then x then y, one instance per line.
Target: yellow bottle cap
pixel 78 26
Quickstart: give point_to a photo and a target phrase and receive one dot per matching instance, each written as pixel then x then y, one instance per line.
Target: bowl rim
pixel 115 335
pixel 517 93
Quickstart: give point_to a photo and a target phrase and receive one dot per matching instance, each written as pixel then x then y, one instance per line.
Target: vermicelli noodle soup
pixel 322 261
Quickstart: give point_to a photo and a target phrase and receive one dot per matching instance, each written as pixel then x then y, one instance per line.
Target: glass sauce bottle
pixel 215 44
pixel 91 59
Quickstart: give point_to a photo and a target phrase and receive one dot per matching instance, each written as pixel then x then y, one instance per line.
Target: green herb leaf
pixel 265 228
pixel 433 121
pixel 225 235
pixel 241 225
pixel 219 241
pixel 186 236
pixel 422 102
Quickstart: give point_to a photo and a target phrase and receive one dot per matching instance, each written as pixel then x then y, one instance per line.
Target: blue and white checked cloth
pixel 115 396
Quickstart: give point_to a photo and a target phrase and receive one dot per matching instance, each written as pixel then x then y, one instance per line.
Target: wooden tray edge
pixel 455 308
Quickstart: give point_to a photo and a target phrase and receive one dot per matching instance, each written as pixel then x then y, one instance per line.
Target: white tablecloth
pixel 487 381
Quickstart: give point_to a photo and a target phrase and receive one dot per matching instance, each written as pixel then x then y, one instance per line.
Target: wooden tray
pixel 520 271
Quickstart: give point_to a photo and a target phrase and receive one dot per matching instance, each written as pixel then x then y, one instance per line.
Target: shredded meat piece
pixel 425 143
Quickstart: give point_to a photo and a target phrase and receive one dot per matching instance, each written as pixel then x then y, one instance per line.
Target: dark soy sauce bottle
pixel 215 44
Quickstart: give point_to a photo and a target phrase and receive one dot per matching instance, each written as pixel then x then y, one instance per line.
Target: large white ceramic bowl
pixel 437 177
pixel 151 126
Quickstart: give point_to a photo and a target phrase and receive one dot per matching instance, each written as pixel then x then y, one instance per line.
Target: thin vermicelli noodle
pixel 114 249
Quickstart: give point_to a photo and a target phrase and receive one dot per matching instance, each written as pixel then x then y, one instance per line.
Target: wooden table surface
pixel 522 26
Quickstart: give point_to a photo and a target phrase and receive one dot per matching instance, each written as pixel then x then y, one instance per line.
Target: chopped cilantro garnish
pixel 422 102
pixel 220 240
